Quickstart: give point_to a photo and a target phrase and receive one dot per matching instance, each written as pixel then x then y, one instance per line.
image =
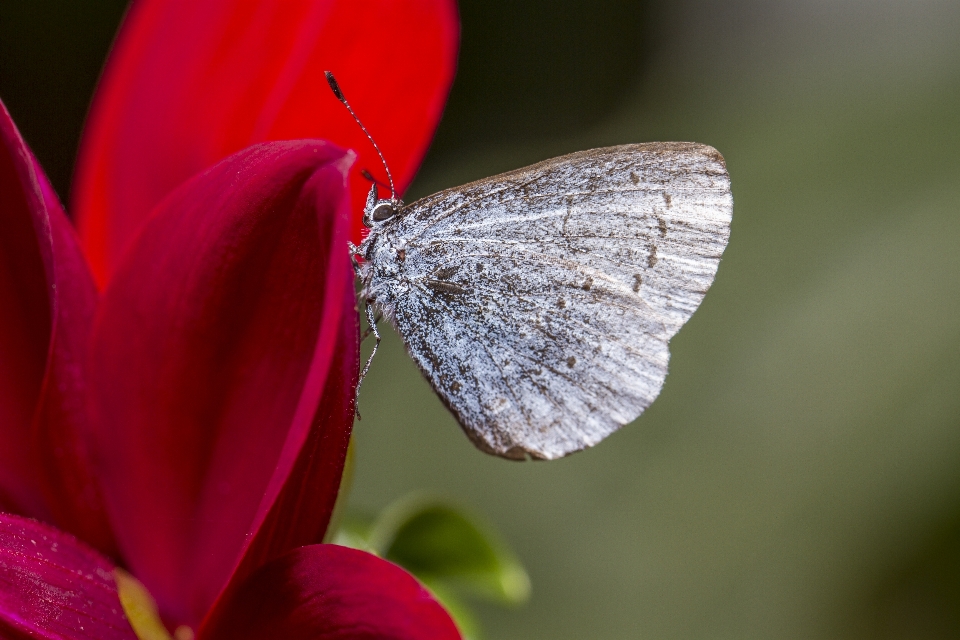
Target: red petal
pixel 224 361
pixel 52 586
pixel 325 592
pixel 189 83
pixel 47 300
pixel 24 321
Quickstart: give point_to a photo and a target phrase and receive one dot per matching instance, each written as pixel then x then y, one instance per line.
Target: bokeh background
pixel 799 476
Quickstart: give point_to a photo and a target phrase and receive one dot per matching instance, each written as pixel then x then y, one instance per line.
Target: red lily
pixel 191 419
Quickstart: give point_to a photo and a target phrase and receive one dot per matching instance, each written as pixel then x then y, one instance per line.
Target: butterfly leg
pixel 366 334
pixel 354 252
pixel 376 336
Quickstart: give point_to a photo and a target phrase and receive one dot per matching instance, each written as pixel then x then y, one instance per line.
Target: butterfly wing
pixel 539 303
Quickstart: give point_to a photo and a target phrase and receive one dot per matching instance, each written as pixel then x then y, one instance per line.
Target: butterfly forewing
pixel 539 303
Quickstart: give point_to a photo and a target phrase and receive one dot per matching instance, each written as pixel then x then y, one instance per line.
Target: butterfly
pixel 539 303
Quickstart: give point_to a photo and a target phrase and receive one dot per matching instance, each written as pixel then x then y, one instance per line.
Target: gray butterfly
pixel 539 303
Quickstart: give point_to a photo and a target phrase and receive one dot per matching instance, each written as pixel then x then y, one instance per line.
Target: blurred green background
pixel 799 476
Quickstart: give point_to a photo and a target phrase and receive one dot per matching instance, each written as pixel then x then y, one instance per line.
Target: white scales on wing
pixel 539 303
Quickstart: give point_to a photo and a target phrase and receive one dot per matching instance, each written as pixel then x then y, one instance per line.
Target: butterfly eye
pixel 383 211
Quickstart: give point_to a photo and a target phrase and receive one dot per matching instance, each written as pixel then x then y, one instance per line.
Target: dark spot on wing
pixel 401 255
pixel 561 303
pixel 571 361
pixel 637 281
pixel 445 272
pixel 652 258
pixel 667 198
pixel 479 267
pixel 588 283
pixel 456 386
pixel 633 178
pixel 441 286
pixel 662 226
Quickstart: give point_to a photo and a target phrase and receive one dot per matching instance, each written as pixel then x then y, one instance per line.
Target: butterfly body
pixel 539 303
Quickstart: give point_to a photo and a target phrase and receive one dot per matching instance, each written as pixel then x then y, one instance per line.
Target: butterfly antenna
pixel 337 92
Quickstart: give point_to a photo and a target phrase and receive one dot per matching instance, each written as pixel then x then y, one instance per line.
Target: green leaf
pixel 437 542
pixel 450 552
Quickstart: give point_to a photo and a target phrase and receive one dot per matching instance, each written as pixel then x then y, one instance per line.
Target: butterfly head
pixel 377 210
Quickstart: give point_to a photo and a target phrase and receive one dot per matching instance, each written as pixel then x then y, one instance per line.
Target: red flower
pixel 190 417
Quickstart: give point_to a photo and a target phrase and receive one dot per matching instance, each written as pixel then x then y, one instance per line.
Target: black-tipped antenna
pixel 337 92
